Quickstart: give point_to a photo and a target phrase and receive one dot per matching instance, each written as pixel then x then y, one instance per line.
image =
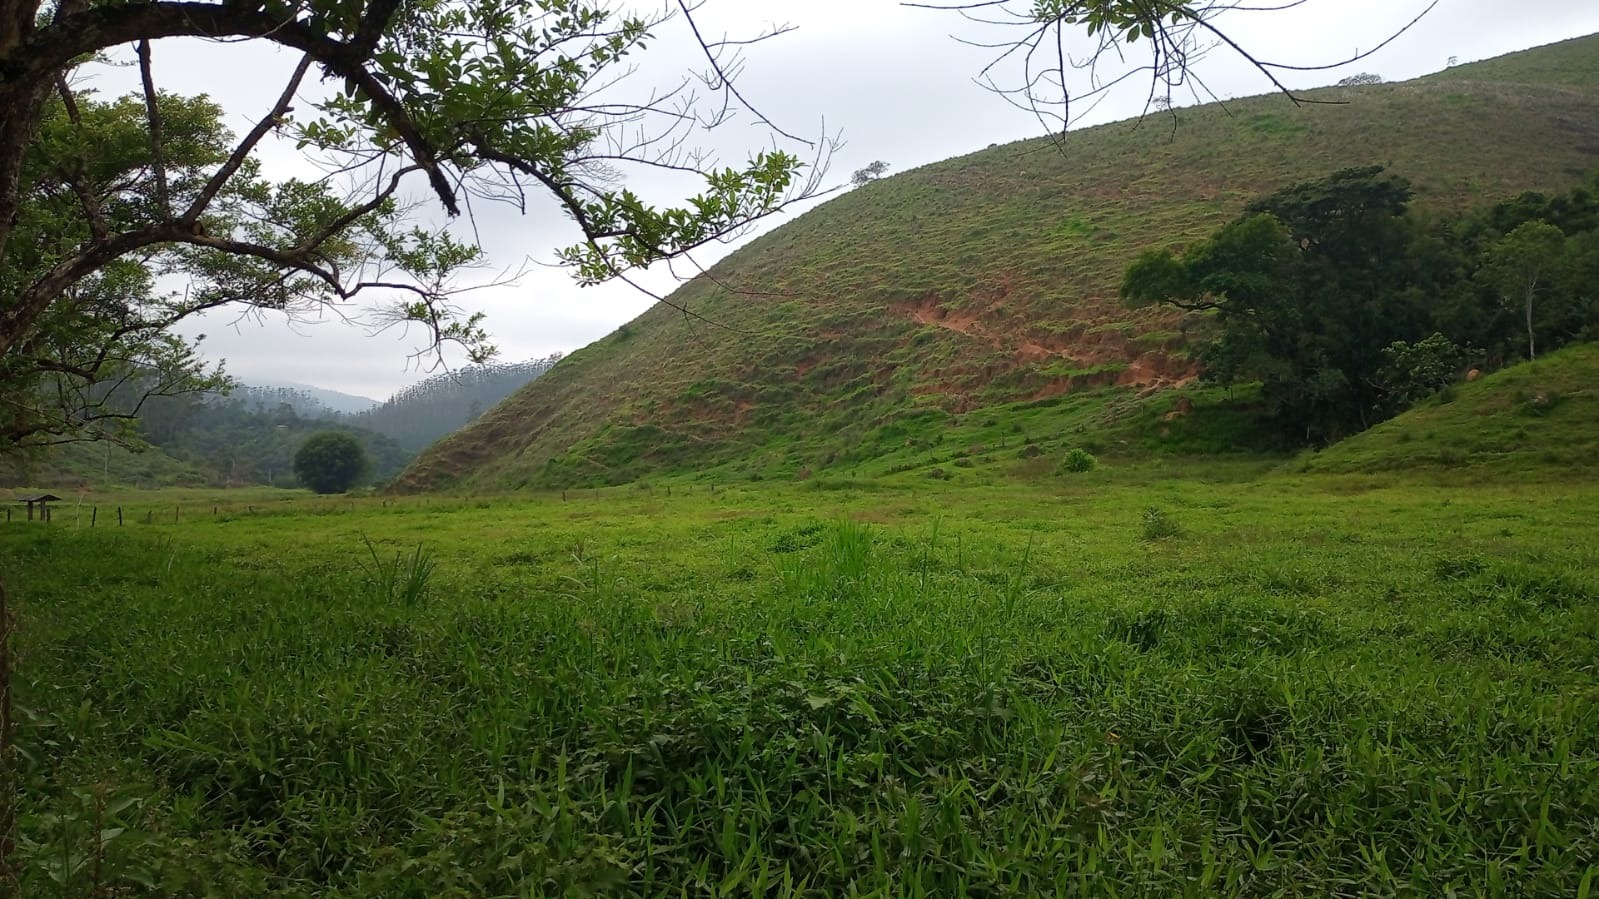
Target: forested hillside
pixel 428 410
pixel 309 402
pixel 249 435
pixel 236 440
pixel 418 414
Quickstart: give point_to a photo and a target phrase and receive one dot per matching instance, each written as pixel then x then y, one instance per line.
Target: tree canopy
pixel 1346 307
pixel 330 462
pixel 869 174
pixel 105 201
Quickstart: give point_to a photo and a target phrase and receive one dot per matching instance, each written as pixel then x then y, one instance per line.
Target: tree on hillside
pixel 466 99
pixel 1523 264
pixel 330 462
pixel 1415 371
pixel 869 174
pixel 1309 288
pixel 1573 212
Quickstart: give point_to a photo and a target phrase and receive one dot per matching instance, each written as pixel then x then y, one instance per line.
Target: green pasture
pixel 1097 684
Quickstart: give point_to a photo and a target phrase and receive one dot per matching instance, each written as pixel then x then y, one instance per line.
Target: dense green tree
pixel 1524 265
pixel 1415 371
pixel 330 462
pixel 1572 212
pixel 1323 291
pixel 1478 307
pixel 1308 289
pixel 1576 315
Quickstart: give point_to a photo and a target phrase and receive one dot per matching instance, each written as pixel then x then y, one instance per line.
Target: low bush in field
pixel 1077 461
pixel 1157 525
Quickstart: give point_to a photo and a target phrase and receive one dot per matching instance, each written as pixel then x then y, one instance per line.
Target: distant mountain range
pixel 334 400
pixel 250 435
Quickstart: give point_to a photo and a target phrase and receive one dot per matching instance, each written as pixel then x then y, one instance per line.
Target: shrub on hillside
pixel 1078 460
pixel 1414 371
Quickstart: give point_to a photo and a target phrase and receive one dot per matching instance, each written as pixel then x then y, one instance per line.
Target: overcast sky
pixel 889 79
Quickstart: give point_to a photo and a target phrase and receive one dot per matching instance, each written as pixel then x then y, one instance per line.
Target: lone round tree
pixel 330 462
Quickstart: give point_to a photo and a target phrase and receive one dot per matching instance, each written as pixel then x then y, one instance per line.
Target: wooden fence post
pixel 94 515
pixel 119 516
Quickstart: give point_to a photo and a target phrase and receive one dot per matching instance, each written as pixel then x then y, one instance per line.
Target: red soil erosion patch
pixel 1034 352
pixel 1158 370
pixel 928 311
pixel 1107 354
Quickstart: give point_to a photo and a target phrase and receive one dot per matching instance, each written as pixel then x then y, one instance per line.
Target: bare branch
pixel 1177 34
pixel 723 80
pixel 152 110
pixel 248 144
pixel 75 176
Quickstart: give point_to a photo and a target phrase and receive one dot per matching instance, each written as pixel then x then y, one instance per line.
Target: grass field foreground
pixel 1299 686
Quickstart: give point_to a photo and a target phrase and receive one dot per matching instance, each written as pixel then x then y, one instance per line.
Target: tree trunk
pixel 10 787
pixel 1532 288
pixel 1532 350
pixel 19 120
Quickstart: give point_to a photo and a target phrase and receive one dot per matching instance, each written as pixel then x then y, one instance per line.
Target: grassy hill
pixel 1534 415
pixel 951 295
pixel 76 465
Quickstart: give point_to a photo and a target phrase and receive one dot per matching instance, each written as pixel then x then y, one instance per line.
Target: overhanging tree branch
pixel 478 96
pixel 247 146
pixel 1177 33
pixel 152 109
pixel 53 48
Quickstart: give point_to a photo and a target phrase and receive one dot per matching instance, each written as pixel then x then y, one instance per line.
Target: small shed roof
pixel 39 498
